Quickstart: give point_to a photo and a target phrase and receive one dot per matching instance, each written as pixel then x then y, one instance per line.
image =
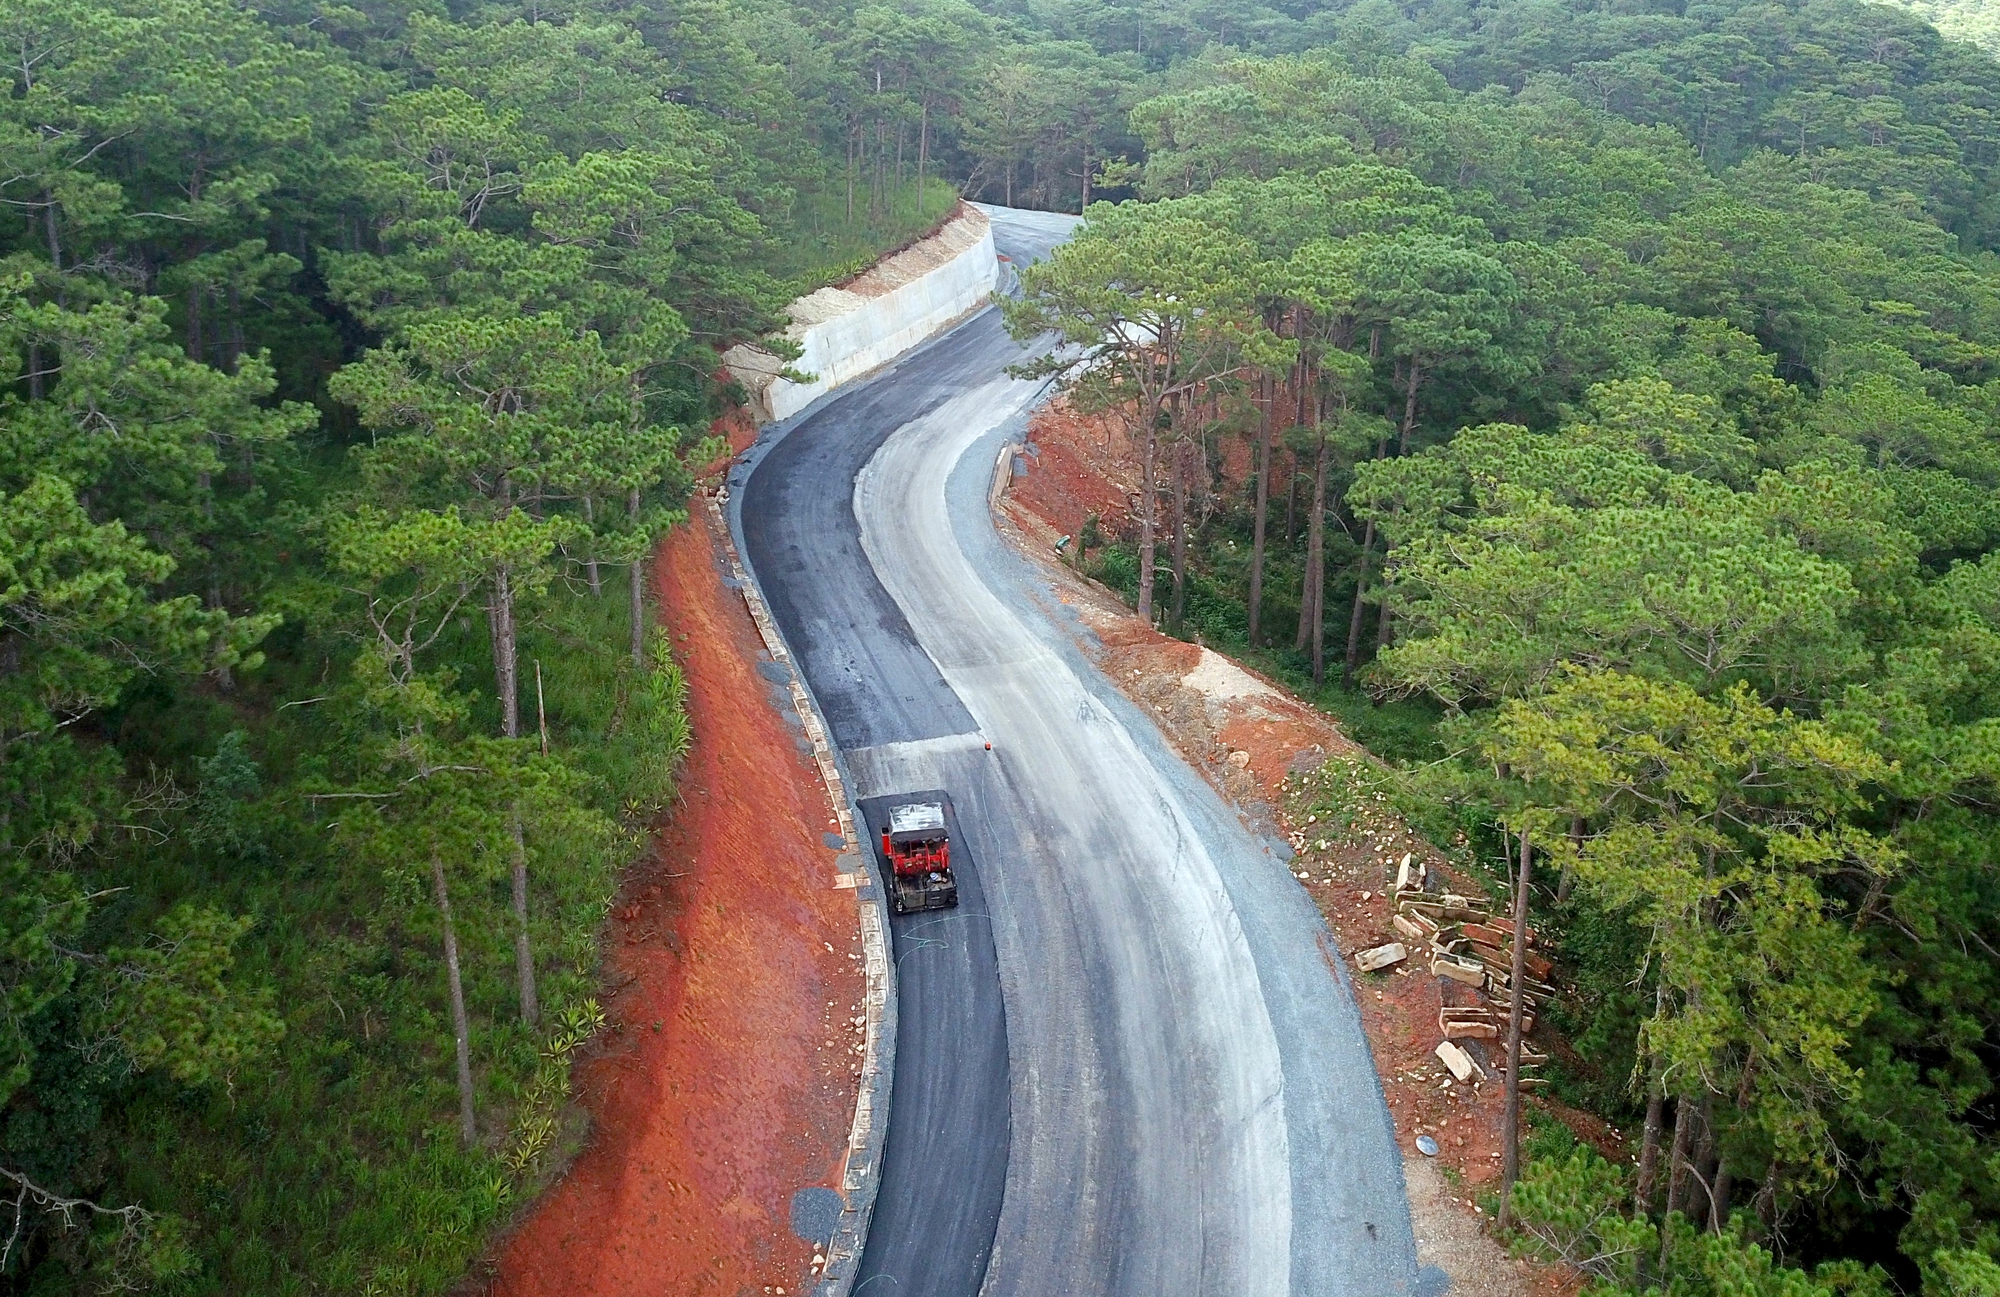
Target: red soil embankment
pixel 727 1079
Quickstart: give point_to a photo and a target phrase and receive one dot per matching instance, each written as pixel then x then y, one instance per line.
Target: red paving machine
pixel 916 846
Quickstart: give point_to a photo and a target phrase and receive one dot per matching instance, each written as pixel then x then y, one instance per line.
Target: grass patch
pixel 825 245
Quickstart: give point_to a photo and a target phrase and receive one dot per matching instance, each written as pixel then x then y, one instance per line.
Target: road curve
pixel 1170 1093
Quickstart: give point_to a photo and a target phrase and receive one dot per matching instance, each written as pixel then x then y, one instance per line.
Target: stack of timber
pixel 1465 943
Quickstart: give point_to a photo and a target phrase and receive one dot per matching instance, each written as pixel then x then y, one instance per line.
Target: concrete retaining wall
pixel 846 332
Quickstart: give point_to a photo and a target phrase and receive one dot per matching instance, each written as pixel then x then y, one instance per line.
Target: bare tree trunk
pixel 638 587
pixel 35 388
pixel 506 669
pixel 1684 1123
pixel 1263 508
pixel 1409 407
pixel 194 344
pixel 524 954
pixel 1718 1211
pixel 1767 1197
pixel 1649 1150
pixel 500 614
pixel 1385 622
pixel 1316 563
pixel 1576 830
pixel 1291 496
pixel 1656 1098
pixel 1684 1119
pixel 232 346
pixel 1302 635
pixel 1700 1165
pixel 1179 610
pixel 1354 619
pixel 1148 512
pixel 590 563
pixel 1510 1130
pixel 52 229
pixel 461 1031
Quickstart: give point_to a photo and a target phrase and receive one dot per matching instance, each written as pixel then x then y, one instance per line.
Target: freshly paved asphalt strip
pixel 1190 1104
pixel 940 1193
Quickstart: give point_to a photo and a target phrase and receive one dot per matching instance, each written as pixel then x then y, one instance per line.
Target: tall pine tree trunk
pixel 1385 623
pixel 1180 536
pixel 1656 1100
pixel 1576 831
pixel 1701 1169
pixel 1149 448
pixel 506 670
pixel 638 586
pixel 461 1030
pixel 1649 1149
pixel 1291 496
pixel 1316 561
pixel 195 345
pixel 1718 1210
pixel 1510 1129
pixel 1361 590
pixel 524 954
pixel 1354 618
pixel 590 563
pixel 1263 509
pixel 1684 1123
pixel 1766 1204
pixel 1409 406
pixel 1386 620
pixel 506 665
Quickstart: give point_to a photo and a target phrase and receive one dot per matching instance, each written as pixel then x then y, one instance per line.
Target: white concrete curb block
pixel 870 1128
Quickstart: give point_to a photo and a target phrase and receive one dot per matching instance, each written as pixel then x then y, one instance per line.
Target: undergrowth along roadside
pixel 333 1164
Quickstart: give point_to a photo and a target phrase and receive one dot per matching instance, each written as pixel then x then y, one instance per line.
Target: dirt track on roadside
pixel 726 1081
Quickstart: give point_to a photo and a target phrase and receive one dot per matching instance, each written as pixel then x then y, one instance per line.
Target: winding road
pixel 1129 1062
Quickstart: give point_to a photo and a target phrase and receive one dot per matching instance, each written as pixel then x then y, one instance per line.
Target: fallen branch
pixel 29 1194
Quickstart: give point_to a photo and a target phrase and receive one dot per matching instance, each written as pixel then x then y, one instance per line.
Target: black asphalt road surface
pixel 1129 1064
pixel 945 1165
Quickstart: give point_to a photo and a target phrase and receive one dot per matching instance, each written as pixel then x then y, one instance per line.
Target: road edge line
pixel 862 1167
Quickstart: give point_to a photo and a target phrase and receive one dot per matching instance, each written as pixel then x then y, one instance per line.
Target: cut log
pixel 1467 1029
pixel 1470 972
pixel 1381 957
pixel 1461 1064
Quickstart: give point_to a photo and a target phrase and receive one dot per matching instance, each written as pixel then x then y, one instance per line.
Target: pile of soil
pixel 726 1081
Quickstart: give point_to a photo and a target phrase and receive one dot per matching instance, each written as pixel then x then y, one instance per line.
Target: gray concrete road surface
pixel 1189 1103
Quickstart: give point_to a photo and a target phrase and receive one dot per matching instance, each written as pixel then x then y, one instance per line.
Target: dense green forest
pixel 354 358
pixel 1626 375
pixel 1624 388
